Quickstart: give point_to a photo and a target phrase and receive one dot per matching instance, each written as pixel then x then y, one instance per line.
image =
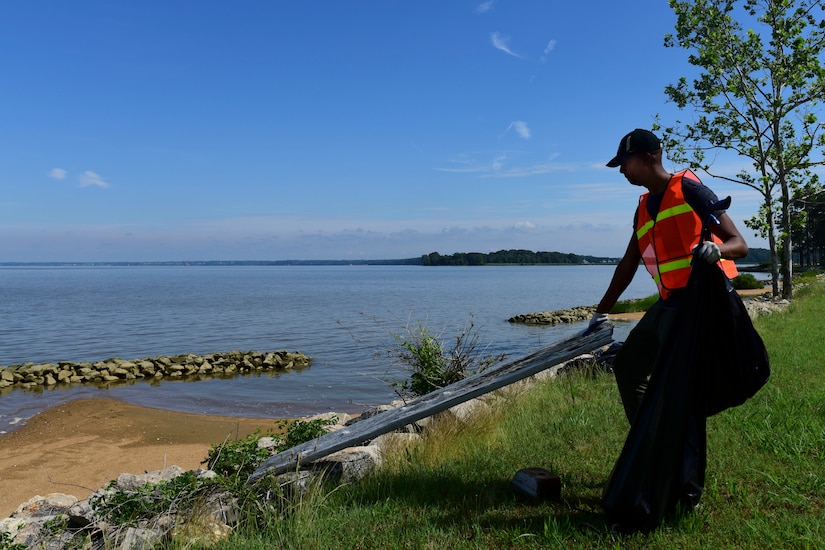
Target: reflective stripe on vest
pixel 666 213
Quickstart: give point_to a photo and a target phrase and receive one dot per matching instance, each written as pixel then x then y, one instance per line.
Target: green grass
pixel 765 476
pixel 632 306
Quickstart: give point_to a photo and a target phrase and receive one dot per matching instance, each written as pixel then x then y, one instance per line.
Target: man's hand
pixel 595 321
pixel 708 251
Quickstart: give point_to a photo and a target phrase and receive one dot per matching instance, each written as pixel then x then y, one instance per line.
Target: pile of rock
pixel 31 376
pixel 764 304
pixel 761 304
pixel 572 315
pixel 60 520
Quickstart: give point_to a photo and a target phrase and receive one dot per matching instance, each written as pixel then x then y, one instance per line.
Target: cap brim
pixel 615 161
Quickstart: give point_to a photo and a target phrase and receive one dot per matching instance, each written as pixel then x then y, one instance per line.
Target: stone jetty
pixel 760 303
pixel 557 317
pixel 180 367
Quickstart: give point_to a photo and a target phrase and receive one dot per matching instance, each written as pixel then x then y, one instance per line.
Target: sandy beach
pixel 80 446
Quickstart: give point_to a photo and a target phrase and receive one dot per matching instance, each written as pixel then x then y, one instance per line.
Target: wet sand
pixel 80 446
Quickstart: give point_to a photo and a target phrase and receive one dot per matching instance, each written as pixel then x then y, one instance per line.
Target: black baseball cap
pixel 637 141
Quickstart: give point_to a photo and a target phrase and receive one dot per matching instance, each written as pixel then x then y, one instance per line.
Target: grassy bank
pixel 765 476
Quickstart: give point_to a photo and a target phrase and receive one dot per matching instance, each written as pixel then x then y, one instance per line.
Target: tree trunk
pixel 787 241
pixel 772 246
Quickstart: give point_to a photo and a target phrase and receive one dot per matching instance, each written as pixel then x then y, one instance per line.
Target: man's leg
pixel 637 356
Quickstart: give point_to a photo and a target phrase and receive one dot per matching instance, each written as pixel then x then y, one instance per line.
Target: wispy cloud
pixel 463 169
pixel 499 162
pixel 57 174
pixel 485 7
pixel 504 165
pixel 520 128
pixel 502 43
pixel 89 178
pixel 527 170
pixel 548 49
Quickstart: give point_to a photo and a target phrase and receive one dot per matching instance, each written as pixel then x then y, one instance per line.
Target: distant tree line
pixel 756 256
pixel 815 232
pixel 523 257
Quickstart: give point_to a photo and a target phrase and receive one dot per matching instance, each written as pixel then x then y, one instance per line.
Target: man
pixel 667 228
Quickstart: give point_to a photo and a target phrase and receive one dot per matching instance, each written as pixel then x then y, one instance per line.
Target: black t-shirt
pixel 698 196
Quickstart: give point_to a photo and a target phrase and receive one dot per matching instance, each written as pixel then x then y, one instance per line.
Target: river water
pixel 344 317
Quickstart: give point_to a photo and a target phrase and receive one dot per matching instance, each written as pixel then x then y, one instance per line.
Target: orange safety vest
pixel 667 242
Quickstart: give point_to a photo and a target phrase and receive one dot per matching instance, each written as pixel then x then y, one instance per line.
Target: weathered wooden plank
pixel 435 402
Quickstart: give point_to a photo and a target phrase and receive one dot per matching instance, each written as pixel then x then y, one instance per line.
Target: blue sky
pixel 270 130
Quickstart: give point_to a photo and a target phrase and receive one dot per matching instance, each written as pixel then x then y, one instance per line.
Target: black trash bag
pixel 734 370
pixel 662 464
pixel 712 360
pixel 732 362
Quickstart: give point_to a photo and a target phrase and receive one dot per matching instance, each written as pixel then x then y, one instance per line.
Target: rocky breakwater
pixel 756 303
pixel 572 315
pixel 181 367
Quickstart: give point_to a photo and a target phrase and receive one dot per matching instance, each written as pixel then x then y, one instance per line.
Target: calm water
pixel 343 317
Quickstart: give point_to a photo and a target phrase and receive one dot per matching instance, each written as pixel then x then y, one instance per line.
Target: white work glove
pixel 595 321
pixel 708 251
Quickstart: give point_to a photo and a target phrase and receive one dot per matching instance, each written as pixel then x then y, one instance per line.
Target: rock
pixel 268 442
pixel 49 505
pixel 81 514
pixel 203 530
pixel 465 412
pixel 130 482
pixel 296 484
pixel 140 538
pixel 48 513
pixel 340 419
pixel 350 464
pixel 395 440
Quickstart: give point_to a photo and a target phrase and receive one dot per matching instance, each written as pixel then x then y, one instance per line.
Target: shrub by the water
pixel 746 281
pixel 432 365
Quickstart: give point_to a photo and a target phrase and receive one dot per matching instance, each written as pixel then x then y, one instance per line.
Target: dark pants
pixel 638 354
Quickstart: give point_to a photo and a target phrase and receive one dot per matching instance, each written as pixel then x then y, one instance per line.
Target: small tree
pixel 760 85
